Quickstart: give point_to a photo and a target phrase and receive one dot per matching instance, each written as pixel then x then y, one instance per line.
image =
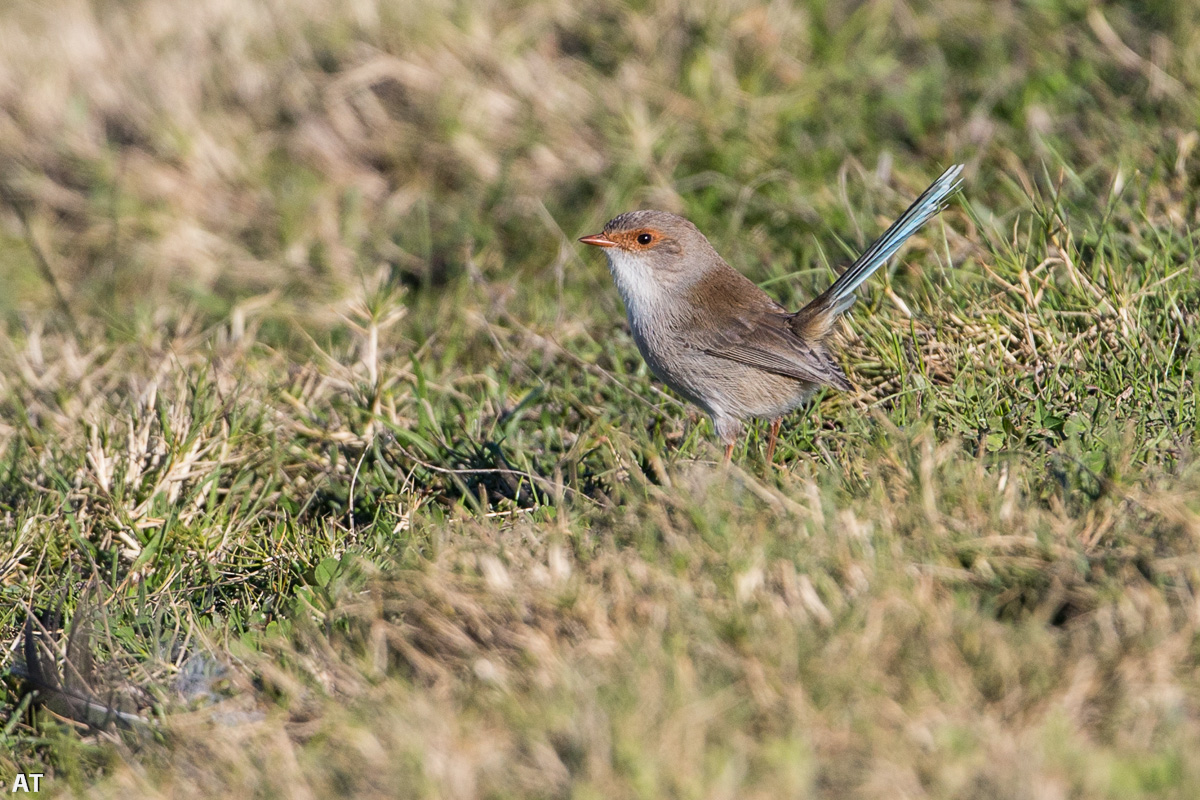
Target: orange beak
pixel 598 240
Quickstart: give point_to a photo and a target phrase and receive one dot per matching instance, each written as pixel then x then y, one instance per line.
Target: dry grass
pixel 309 402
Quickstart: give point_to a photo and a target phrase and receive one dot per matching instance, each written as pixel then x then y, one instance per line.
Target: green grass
pixel 343 449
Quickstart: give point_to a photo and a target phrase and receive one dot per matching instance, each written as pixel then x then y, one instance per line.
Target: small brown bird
pixel 717 339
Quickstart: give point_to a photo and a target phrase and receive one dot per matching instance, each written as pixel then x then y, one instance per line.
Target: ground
pixel 324 438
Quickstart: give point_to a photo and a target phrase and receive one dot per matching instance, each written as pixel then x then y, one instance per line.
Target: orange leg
pixel 728 452
pixel 771 440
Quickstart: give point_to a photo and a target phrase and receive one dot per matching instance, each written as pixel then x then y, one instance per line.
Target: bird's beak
pixel 598 240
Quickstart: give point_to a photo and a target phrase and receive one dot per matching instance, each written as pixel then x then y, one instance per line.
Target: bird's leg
pixel 771 439
pixel 727 429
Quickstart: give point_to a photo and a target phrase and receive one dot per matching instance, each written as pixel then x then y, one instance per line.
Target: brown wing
pixel 766 340
pixel 754 330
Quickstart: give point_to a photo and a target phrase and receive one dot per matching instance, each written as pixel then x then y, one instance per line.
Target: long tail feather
pixel 821 312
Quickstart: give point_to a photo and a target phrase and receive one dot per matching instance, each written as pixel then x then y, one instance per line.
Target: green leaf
pixel 326 571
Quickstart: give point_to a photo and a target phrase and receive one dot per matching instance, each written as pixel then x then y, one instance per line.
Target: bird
pixel 717 339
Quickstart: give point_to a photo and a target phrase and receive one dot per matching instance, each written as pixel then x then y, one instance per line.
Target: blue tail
pixel 840 296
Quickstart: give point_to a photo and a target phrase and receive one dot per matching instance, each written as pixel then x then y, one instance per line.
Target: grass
pixel 339 459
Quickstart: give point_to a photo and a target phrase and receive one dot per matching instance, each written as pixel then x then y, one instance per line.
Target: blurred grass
pixel 380 500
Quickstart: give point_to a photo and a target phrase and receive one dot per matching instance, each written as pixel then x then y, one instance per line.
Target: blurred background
pixel 205 152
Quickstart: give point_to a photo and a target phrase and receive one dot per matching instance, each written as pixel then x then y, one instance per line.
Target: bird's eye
pixel 645 238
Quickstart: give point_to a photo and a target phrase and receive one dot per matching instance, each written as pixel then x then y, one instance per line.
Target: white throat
pixel 641 291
